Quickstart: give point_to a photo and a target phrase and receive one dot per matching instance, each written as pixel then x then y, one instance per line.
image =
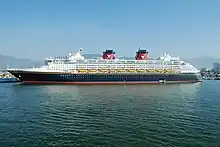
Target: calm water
pixel 140 115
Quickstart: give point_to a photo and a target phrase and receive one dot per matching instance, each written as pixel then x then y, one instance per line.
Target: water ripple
pixel 163 115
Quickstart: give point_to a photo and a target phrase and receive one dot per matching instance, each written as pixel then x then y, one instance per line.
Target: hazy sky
pixel 39 28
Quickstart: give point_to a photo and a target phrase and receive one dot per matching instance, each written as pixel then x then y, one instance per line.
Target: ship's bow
pixel 14 72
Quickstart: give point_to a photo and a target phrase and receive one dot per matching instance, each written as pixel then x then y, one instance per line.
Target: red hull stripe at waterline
pixel 105 83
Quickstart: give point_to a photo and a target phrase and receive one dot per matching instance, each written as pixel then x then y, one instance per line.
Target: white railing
pixel 102 61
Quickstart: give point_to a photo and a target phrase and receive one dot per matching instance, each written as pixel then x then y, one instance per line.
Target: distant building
pixel 216 67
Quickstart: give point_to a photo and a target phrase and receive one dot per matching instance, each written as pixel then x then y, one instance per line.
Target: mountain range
pixel 10 61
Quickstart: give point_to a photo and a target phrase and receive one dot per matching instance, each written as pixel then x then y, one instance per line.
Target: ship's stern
pixel 199 77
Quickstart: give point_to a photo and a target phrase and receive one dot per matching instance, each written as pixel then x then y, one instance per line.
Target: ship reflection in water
pixel 133 89
pixel 97 93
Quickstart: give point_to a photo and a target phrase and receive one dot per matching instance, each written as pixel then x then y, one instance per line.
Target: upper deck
pixel 78 58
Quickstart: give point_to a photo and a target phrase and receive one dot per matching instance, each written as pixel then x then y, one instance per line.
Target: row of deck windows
pixel 114 62
pixel 127 66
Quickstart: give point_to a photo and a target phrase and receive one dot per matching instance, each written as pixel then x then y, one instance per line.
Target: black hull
pixel 98 78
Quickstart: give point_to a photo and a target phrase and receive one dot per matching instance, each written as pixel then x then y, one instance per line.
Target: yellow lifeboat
pixel 92 70
pixel 150 70
pixel 103 70
pixel 159 70
pixel 168 70
pixel 82 70
pixel 121 70
pixel 131 70
pixel 140 70
pixel 111 70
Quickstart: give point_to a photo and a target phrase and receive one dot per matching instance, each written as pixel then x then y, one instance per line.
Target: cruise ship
pixel 108 69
